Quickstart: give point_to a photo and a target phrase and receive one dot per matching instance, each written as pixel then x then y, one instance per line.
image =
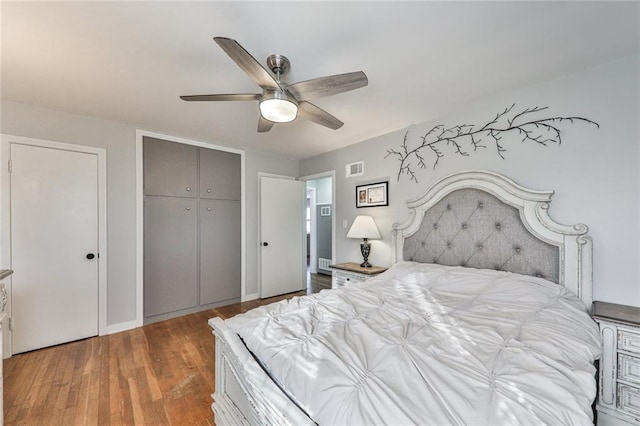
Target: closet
pixel 192 230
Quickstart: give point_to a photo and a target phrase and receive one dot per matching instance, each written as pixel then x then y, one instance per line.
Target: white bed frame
pixel 246 394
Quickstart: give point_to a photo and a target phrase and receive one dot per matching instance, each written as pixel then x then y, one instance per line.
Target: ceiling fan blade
pixel 230 97
pixel 264 125
pixel 327 86
pixel 311 112
pixel 248 63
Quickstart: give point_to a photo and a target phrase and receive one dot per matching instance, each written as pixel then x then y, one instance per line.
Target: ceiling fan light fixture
pixel 278 107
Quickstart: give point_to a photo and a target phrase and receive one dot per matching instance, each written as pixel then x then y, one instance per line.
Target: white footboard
pixel 244 392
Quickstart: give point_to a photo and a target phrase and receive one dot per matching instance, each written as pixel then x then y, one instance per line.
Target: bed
pixel 481 319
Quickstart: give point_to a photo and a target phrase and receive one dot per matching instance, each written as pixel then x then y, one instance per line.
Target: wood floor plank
pixel 159 374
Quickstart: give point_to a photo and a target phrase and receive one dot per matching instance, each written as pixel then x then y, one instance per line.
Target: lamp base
pixel 365 249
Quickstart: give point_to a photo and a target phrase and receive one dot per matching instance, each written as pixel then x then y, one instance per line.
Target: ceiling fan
pixel 281 102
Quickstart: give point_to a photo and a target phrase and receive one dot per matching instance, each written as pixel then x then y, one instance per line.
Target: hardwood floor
pixel 159 374
pixel 317 282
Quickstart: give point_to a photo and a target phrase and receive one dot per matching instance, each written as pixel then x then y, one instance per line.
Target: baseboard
pixel 121 326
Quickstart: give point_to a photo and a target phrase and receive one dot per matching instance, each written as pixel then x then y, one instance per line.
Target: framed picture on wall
pixel 372 195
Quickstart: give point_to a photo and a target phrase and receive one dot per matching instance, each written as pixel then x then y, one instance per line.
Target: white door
pixel 54 243
pixel 283 236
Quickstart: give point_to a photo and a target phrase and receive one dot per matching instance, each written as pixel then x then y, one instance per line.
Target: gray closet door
pixel 219 250
pixel 170 254
pixel 170 168
pixel 219 175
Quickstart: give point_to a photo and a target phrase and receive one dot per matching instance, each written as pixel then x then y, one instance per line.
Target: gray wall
pixel 120 140
pixel 323 235
pixel 595 172
pixel 259 162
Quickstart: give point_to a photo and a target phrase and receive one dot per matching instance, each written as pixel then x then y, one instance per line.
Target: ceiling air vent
pixel 354 169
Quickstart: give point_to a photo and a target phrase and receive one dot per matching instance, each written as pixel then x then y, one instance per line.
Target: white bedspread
pixel 428 344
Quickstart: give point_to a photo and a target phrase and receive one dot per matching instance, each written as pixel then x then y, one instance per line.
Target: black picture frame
pixel 372 195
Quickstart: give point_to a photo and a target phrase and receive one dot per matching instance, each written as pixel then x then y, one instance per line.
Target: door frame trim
pixel 311 253
pixel 140 212
pixel 5 214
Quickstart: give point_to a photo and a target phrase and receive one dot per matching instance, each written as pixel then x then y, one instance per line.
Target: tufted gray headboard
pixel 484 220
pixel 470 227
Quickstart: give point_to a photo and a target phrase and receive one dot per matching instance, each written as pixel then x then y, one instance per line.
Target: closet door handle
pixel 265 244
pixel 90 256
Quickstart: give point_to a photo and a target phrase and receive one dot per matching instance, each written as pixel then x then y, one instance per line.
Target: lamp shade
pixel 364 227
pixel 278 107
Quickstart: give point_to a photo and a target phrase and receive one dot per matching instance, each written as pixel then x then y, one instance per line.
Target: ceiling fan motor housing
pixel 279 64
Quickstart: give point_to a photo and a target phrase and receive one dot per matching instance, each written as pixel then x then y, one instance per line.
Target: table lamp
pixel 364 227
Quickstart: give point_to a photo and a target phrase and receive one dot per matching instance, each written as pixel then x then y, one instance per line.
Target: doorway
pixel 320 230
pixel 54 225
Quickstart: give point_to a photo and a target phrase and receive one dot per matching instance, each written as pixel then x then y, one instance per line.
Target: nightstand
pixel 350 272
pixel 619 378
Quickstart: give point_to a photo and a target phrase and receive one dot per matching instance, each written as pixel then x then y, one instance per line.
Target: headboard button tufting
pixel 475 227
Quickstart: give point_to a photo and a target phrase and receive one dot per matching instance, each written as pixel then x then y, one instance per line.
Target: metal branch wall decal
pixel 465 138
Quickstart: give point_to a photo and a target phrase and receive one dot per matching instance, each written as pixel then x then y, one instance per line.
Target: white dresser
pixel 619 373
pixel 349 273
pixel 4 273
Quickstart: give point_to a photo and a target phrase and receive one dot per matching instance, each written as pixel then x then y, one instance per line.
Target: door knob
pixel 90 256
pixel 265 244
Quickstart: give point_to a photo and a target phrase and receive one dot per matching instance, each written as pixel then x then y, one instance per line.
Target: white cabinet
pixel 619 373
pixel 350 273
pixel 340 278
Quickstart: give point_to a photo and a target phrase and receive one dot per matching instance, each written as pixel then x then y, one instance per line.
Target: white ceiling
pixel 129 61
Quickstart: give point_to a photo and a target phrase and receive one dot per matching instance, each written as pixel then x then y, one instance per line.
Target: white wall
pixel 119 141
pixel 595 172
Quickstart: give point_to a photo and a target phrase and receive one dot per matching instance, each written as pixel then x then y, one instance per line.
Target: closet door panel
pixel 170 254
pixel 219 175
pixel 220 263
pixel 170 168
